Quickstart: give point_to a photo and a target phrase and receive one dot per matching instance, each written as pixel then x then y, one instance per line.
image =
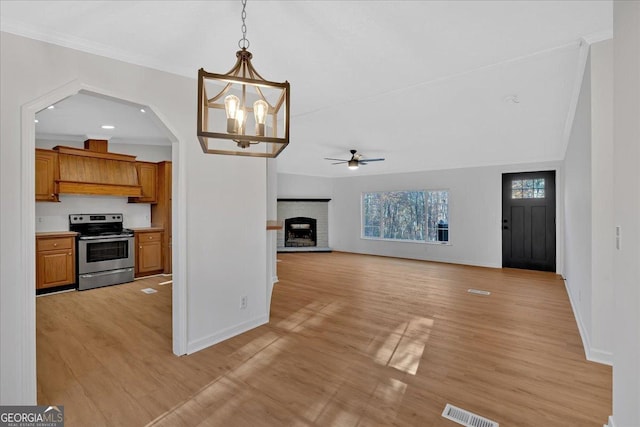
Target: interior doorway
pixel 529 220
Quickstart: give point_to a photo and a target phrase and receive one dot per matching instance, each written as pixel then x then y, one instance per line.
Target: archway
pixel 27 201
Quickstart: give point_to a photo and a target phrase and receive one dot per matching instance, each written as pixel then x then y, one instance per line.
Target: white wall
pixel 300 186
pixel 602 246
pixel 219 204
pixel 475 214
pixel 626 311
pixel 577 201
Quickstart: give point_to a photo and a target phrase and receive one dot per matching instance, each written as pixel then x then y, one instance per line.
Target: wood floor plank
pixel 353 340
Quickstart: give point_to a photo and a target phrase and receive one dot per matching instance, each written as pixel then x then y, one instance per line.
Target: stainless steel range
pixel 105 250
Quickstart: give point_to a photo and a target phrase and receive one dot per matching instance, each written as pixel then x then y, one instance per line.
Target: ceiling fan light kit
pixel 355 161
pixel 246 113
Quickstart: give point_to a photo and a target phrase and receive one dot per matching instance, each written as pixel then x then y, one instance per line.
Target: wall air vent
pixel 466 418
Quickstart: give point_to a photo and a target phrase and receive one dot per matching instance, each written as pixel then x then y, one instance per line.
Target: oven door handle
pixel 106 273
pixel 102 239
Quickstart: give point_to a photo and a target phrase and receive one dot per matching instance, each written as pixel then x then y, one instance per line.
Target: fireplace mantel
pixel 304 200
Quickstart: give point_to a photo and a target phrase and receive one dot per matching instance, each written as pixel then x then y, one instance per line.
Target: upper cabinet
pixel 96 171
pixel 46 175
pixel 148 179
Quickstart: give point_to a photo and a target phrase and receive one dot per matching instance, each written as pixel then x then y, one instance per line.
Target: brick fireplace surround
pixel 315 209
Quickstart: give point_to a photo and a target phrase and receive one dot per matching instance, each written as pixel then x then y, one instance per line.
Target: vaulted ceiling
pixel 425 84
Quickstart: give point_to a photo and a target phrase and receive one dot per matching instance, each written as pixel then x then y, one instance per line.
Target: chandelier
pixel 241 113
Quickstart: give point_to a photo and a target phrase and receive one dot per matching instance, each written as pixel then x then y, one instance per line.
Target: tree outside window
pixel 406 215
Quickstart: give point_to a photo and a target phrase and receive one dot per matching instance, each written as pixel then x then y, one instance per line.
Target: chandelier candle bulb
pixel 260 109
pixel 231 103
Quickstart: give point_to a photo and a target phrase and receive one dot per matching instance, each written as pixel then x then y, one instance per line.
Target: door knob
pixel 506 227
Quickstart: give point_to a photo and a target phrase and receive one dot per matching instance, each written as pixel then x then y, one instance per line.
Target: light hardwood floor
pixel 353 340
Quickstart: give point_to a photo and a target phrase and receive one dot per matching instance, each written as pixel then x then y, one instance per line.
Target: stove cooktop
pixel 98 225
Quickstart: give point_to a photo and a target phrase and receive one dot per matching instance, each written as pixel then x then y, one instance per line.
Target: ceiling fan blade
pixel 339 160
pixel 371 160
pixel 339 163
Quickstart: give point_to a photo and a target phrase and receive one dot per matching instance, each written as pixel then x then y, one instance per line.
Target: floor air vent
pixel 478 292
pixel 466 418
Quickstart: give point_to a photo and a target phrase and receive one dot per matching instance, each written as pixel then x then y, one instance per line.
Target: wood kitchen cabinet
pixel 55 260
pixel 161 212
pixel 148 179
pixel 46 175
pixel 148 253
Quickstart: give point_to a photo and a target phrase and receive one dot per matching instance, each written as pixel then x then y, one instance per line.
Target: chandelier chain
pixel 243 43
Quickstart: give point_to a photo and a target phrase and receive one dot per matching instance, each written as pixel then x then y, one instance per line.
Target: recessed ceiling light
pixel 35 120
pixel 142 110
pixel 108 127
pixel 51 107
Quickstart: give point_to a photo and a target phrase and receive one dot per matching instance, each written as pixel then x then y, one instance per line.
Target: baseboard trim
pixel 208 341
pixel 611 422
pixel 600 356
pixel 591 354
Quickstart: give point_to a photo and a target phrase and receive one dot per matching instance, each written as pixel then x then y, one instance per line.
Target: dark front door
pixel 529 220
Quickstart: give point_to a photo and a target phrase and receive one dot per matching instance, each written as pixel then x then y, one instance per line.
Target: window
pixel 527 188
pixel 438 216
pixel 406 215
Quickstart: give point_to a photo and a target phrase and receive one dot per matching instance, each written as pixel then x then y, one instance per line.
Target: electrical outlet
pixel 243 302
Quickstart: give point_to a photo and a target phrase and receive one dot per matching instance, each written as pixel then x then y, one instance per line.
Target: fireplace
pixel 305 225
pixel 300 232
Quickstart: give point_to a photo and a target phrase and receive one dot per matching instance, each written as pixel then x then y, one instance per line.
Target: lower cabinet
pixel 148 253
pixel 55 261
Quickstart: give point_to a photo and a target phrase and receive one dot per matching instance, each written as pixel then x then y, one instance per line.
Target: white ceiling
pixel 82 116
pixel 425 84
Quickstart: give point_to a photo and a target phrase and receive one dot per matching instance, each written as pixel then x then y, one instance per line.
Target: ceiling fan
pixel 355 161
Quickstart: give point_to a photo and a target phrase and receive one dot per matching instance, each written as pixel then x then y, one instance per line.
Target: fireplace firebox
pixel 300 232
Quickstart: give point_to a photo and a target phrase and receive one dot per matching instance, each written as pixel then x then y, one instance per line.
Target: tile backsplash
pixel 55 216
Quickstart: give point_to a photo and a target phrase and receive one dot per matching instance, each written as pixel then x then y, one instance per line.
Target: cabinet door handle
pixel 69 253
pixel 55 244
pixel 140 247
pixel 150 237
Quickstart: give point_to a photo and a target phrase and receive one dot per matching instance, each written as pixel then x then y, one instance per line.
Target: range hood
pixel 95 171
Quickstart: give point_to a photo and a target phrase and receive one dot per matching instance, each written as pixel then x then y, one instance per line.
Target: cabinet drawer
pixel 49 244
pixel 150 237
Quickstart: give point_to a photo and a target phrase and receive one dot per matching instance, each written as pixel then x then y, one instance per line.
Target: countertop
pixel 56 234
pixel 146 229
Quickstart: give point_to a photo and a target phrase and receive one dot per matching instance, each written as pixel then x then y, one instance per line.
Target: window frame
pixel 426 201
